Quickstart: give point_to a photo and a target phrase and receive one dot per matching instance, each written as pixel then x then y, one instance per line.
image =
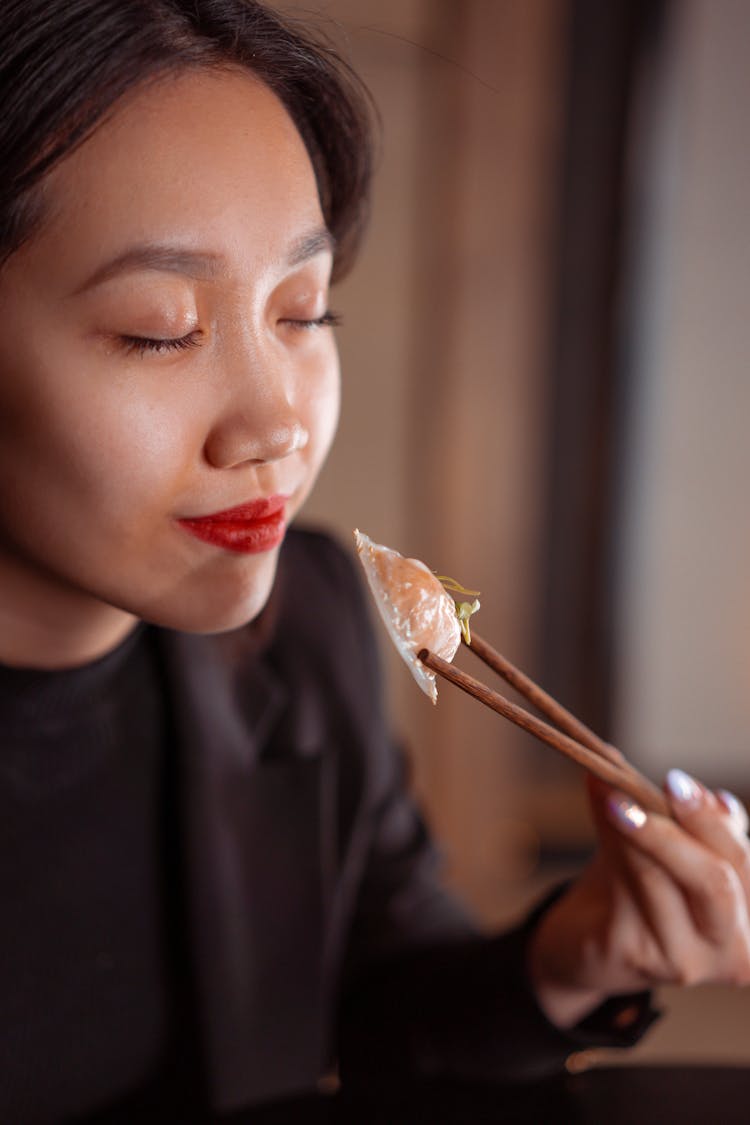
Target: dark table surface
pixel 606 1096
pixel 613 1096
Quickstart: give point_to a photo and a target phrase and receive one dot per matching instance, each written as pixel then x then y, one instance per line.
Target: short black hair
pixel 65 63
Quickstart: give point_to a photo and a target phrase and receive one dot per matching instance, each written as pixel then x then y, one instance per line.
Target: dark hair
pixel 65 63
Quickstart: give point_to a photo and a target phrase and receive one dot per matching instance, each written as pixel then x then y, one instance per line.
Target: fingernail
pixel 625 812
pixel 684 789
pixel 734 807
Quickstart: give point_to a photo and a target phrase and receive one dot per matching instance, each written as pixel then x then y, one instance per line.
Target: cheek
pixel 79 449
pixel 320 406
pixel 140 454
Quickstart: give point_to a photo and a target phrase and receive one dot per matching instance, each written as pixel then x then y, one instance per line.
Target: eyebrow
pixel 310 245
pixel 199 264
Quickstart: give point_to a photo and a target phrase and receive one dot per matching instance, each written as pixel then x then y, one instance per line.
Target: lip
pixel 249 528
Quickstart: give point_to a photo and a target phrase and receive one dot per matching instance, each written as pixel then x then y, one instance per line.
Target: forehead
pixel 206 159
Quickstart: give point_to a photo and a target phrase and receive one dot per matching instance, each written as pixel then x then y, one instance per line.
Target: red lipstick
pixel 250 528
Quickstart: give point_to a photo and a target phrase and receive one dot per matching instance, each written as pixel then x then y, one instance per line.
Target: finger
pixel 660 901
pixel 599 792
pixel 667 939
pixel 714 891
pixel 736 810
pixel 609 831
pixel 705 817
pixel 660 927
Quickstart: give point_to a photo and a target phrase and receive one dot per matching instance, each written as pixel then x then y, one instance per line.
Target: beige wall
pixel 685 582
pixel 684 600
pixel 439 449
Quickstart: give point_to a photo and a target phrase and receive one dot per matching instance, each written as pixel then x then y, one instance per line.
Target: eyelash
pixel 141 345
pixel 329 319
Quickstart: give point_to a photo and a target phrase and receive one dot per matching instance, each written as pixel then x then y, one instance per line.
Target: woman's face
pixel 162 358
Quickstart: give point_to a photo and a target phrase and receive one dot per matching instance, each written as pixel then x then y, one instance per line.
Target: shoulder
pixel 321 611
pixel 316 559
pixel 319 586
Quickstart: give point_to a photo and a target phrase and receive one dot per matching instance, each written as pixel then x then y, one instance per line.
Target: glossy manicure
pixel 684 789
pixel 626 812
pixel 734 807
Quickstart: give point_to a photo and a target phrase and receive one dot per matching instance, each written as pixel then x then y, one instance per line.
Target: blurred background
pixel 546 396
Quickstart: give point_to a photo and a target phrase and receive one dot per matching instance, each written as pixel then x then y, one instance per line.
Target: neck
pixel 46 628
pixel 39 646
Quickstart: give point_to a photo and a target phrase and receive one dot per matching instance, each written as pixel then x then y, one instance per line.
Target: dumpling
pixel 416 609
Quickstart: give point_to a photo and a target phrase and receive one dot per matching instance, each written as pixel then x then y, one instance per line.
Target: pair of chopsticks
pixel 573 739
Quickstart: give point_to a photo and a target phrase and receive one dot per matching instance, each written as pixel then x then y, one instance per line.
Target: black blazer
pixel 317 924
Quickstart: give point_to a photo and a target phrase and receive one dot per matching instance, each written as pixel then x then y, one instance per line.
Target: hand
pixel 663 902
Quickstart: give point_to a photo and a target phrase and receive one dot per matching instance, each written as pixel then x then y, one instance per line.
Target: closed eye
pixel 327 320
pixel 142 345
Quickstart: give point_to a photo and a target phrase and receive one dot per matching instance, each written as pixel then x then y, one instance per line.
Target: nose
pixel 263 426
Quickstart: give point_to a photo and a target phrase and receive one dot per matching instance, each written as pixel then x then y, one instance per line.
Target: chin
pixel 218 605
pixel 206 623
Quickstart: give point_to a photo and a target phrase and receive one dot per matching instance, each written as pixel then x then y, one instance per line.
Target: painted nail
pixel 684 789
pixel 734 807
pixel 626 812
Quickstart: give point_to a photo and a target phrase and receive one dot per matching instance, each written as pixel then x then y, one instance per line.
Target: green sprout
pixel 464 610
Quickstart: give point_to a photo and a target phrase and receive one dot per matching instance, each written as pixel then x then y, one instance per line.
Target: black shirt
pixel 93 974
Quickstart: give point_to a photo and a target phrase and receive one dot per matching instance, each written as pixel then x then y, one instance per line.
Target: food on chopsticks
pixel 416 608
pixel 420 615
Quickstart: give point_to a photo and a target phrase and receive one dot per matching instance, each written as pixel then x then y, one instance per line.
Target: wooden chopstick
pixel 629 780
pixel 547 704
pixel 543 702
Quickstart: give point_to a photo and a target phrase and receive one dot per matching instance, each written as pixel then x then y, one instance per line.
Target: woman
pixel 213 883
